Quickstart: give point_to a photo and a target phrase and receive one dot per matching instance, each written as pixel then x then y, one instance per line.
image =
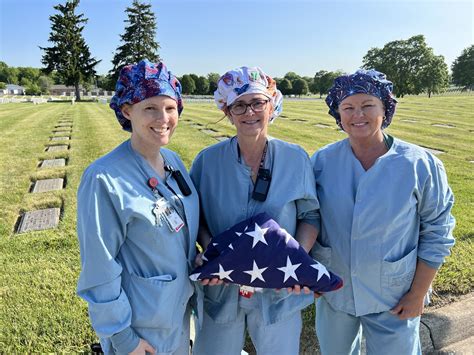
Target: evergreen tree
pixel 463 68
pixel 188 85
pixel 138 41
pixel 213 78
pixel 285 86
pixel 300 87
pixel 69 55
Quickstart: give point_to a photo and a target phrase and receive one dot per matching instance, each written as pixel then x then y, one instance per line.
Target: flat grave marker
pixel 39 220
pixel 197 125
pixel 409 121
pixel 433 150
pixel 52 163
pixel 57 148
pixel 208 131
pixel 63 138
pixel 322 125
pixel 221 138
pixel 48 185
pixel 443 125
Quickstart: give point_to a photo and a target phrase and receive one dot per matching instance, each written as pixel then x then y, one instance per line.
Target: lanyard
pixel 262 161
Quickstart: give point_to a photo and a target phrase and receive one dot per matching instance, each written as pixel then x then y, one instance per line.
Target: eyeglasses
pixel 240 108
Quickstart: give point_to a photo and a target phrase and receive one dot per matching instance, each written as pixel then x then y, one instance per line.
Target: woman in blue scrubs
pixel 386 223
pixel 137 221
pixel 237 179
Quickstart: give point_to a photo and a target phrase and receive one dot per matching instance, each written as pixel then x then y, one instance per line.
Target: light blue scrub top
pixel 225 190
pixel 375 224
pixel 134 273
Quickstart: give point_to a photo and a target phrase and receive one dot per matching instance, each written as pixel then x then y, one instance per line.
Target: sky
pixel 278 35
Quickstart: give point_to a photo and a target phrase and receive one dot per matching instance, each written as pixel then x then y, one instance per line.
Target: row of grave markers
pixel 49 218
pixel 212 132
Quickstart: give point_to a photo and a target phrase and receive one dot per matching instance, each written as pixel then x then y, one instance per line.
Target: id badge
pixel 246 291
pixel 172 218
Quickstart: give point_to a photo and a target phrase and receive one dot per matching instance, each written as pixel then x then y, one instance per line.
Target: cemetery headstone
pixel 39 220
pixel 57 148
pixel 53 163
pixel 48 185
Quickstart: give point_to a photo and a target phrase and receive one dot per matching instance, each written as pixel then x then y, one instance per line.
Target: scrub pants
pixel 341 333
pixel 281 338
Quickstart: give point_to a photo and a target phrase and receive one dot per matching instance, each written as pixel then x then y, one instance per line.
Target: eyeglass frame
pixel 249 105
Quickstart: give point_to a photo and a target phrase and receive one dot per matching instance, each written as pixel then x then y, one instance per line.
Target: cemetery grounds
pixel 39 311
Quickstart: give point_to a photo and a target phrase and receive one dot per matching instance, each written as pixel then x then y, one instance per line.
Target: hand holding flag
pixel 258 253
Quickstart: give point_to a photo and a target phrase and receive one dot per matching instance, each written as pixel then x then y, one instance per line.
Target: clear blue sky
pixel 278 35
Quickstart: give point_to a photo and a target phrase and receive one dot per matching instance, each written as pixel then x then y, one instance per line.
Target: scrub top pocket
pixel 154 301
pixel 397 276
pixel 322 254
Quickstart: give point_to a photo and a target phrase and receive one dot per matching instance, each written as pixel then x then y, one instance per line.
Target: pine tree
pixel 69 55
pixel 138 41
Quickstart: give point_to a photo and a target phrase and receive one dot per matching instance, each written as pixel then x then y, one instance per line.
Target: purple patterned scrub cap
pixel 247 80
pixel 141 81
pixel 369 82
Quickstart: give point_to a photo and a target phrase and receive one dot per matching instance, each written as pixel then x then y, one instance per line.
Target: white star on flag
pixel 321 270
pixel 230 246
pixel 289 269
pixel 194 277
pixel 222 274
pixel 256 273
pixel 203 257
pixel 288 236
pixel 258 235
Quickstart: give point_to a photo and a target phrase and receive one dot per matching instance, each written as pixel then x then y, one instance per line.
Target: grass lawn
pixel 39 311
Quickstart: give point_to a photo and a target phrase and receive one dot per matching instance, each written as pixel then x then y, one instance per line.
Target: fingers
pixel 149 349
pixel 212 282
pixel 317 294
pixel 397 309
pixel 297 290
pixel 198 260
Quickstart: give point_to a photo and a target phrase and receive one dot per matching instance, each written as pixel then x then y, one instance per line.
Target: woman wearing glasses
pixel 237 179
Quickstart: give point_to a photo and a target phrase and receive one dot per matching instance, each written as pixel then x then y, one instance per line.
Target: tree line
pixel 410 64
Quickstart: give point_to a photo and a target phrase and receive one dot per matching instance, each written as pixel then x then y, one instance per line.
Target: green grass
pixel 39 311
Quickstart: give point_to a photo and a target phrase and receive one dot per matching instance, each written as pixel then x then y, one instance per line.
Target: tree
pixel 106 82
pixel 8 74
pixel 69 55
pixel 188 84
pixel 404 62
pixel 435 76
pixel 300 87
pixel 32 89
pixel 291 76
pixel 213 78
pixel 32 74
pixel 285 86
pixel 323 81
pixel 463 68
pixel 45 83
pixel 138 41
pixel 202 85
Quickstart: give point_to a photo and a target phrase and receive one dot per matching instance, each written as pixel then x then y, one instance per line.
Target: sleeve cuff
pixel 125 341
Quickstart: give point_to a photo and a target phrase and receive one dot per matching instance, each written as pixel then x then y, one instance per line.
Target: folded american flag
pixel 258 253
